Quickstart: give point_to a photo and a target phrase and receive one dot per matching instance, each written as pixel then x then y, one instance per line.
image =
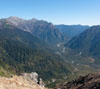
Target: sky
pixel 69 12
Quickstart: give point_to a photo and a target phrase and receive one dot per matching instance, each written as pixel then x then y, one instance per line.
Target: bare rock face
pixel 41 83
pixel 26 81
pixel 90 81
pixel 34 77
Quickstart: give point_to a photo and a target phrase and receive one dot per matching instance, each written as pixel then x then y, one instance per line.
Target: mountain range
pixel 56 52
pixel 42 29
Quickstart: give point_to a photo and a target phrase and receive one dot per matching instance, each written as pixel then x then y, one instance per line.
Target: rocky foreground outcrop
pixel 21 82
pixel 90 81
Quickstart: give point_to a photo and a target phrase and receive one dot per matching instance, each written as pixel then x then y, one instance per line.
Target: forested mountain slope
pixel 26 53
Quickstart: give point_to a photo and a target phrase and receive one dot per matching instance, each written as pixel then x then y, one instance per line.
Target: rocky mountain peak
pixel 14 17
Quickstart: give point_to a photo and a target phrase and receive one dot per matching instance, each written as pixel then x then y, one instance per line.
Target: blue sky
pixel 86 12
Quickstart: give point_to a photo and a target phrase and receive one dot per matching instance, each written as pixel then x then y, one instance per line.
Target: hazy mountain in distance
pixel 71 30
